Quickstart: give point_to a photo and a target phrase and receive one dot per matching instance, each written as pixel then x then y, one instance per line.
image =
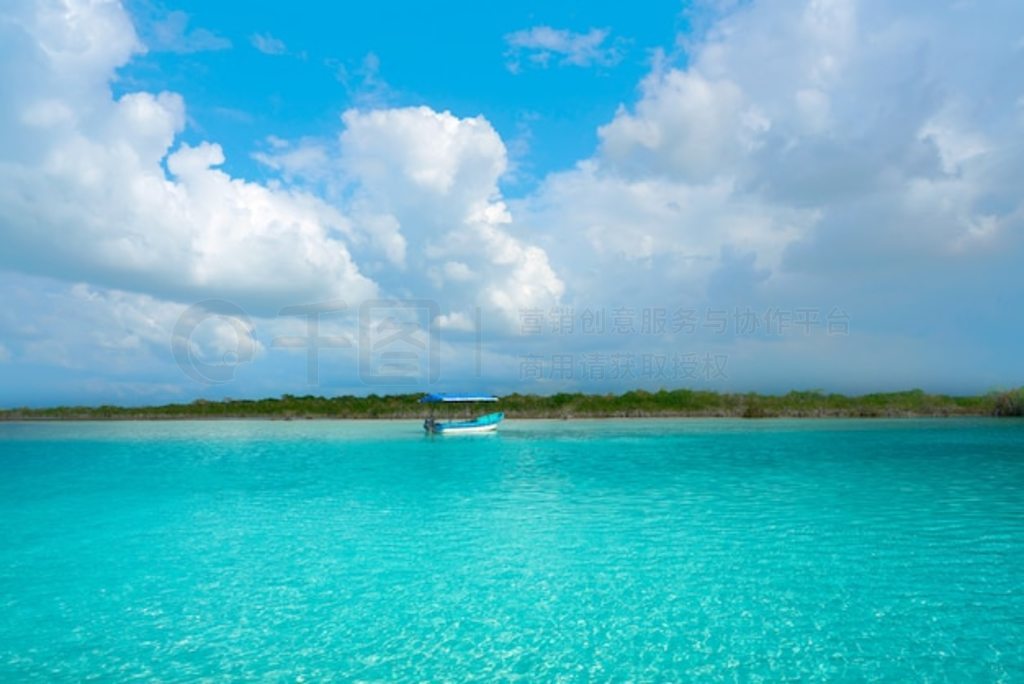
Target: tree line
pixel 636 403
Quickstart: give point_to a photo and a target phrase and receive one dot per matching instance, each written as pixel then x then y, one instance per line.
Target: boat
pixel 480 424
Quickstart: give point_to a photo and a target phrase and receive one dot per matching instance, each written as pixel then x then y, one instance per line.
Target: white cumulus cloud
pixel 436 177
pixel 86 195
pixel 814 135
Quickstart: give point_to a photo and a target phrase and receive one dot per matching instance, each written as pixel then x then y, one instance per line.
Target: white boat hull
pixel 474 430
pixel 487 423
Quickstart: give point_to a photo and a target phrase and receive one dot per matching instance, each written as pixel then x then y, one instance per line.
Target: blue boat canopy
pixel 456 398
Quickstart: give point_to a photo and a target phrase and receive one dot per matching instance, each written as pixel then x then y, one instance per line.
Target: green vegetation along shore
pixel 635 404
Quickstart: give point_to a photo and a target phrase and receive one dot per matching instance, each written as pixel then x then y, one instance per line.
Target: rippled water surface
pixel 613 550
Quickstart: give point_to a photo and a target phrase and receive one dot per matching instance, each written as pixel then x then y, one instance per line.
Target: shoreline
pixel 552 418
pixel 510 422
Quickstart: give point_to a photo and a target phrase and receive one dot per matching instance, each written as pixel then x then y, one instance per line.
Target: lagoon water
pixel 660 550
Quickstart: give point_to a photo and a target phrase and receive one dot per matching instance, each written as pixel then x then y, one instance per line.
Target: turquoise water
pixel 575 551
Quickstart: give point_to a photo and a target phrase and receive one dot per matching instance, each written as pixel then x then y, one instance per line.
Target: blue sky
pixel 763 195
pixel 331 56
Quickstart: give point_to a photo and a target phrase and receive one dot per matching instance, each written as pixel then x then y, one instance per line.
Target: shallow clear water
pixel 612 550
